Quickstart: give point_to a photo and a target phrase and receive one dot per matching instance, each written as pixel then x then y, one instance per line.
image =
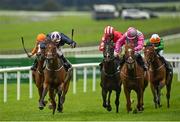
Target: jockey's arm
pixel 120 42
pixel 35 49
pixel 67 40
pixel 161 45
pixel 140 42
pixel 101 45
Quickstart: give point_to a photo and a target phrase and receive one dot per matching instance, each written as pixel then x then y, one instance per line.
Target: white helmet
pixel 55 36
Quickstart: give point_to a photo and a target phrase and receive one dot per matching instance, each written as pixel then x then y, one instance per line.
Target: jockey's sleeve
pixel 66 39
pixel 140 42
pixel 35 49
pixel 161 46
pixel 120 42
pixel 101 45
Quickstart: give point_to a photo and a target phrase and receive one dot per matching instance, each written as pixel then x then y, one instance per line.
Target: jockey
pixel 39 39
pixel 60 39
pixel 159 47
pixel 136 38
pixel 109 34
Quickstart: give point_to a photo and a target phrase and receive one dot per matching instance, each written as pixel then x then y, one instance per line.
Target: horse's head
pixel 108 52
pixel 149 53
pixel 50 51
pixel 129 55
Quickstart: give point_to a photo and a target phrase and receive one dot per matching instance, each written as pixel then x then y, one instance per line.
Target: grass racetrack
pixel 87 106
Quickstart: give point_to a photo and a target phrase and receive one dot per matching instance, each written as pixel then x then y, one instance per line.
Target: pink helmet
pixel 131 33
pixel 109 30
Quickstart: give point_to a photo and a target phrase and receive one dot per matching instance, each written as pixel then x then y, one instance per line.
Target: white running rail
pixel 175 62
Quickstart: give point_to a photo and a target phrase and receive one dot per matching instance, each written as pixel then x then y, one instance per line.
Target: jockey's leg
pixel 167 65
pixel 67 65
pixel 101 65
pixel 34 65
pixel 141 62
pixel 121 61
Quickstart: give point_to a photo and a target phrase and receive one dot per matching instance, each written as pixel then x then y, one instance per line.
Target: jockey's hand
pixel 30 55
pixel 155 48
pixel 73 45
pixel 116 54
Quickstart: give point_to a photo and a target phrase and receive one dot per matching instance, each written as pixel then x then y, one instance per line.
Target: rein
pixel 111 75
pixel 157 68
pixel 131 77
pixel 54 70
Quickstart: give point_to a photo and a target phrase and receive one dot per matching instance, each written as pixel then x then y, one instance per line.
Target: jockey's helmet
pixel 55 36
pixel 155 38
pixel 108 30
pixel 41 37
pixel 131 33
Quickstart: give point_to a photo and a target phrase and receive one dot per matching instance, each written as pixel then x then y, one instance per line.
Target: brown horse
pixel 38 75
pixel 134 78
pixel 159 76
pixel 56 79
pixel 110 78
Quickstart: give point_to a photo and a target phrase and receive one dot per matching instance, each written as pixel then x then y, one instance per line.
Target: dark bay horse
pixel 159 76
pixel 38 75
pixel 110 78
pixel 134 78
pixel 56 79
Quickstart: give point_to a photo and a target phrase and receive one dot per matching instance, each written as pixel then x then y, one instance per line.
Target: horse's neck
pixel 156 63
pixel 54 64
pixel 131 71
pixel 110 67
pixel 40 65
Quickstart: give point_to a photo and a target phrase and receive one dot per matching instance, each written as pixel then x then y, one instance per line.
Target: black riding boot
pixel 121 61
pixel 167 65
pixel 101 65
pixel 34 65
pixel 141 62
pixel 66 64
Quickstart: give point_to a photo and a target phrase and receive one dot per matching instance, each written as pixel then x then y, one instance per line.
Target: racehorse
pixel 56 79
pixel 38 75
pixel 110 78
pixel 159 76
pixel 134 78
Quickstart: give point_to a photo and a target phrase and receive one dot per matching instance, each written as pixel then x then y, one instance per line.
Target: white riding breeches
pixel 161 52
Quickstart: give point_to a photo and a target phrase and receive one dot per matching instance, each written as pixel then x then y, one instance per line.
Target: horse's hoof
pixel 45 102
pixel 41 108
pixel 60 109
pixel 50 107
pixel 104 105
pixel 109 108
pixel 135 111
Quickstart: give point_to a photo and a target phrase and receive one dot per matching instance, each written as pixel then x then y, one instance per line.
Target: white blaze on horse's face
pixel 129 50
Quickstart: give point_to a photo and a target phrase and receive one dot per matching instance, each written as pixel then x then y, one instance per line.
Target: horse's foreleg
pixel 104 95
pixel 159 95
pixel 60 107
pixel 154 94
pixel 117 100
pixel 109 108
pixel 41 102
pixel 168 89
pixel 52 97
pixel 128 101
pixel 140 99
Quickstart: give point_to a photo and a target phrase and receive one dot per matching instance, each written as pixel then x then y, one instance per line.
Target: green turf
pixel 87 31
pixel 87 106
